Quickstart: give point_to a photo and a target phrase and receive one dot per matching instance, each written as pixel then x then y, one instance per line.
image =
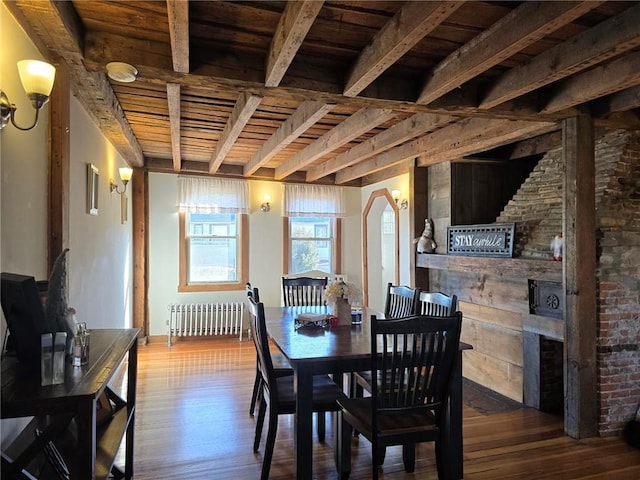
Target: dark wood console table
pixel 72 406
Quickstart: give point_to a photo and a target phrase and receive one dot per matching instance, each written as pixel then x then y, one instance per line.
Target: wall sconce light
pixel 266 206
pixel 125 176
pixel 402 205
pixel 37 80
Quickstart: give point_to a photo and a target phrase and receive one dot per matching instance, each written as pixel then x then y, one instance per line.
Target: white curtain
pixel 313 201
pixel 212 195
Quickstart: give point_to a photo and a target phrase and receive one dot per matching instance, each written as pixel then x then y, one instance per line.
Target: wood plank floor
pixel 192 422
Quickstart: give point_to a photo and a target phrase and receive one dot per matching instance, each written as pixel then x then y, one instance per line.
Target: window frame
pixel 243 260
pixel 336 260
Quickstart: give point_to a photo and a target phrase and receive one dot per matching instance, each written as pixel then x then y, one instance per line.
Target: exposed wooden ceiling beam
pixel 462 138
pixel 409 128
pixel 606 40
pixel 153 61
pixel 629 98
pixel 393 171
pixel 173 101
pixel 603 80
pixel 360 122
pixel 304 117
pixel 472 136
pixel 101 47
pixel 61 30
pixel 164 165
pixel 407 27
pixel 508 36
pixel 526 148
pixel 178 16
pixel 242 112
pixel 295 22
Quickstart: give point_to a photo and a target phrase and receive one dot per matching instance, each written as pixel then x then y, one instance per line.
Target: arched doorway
pixel 381 247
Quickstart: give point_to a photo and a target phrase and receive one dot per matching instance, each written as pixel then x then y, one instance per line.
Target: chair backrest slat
pixel 437 304
pixel 303 291
pixel 401 301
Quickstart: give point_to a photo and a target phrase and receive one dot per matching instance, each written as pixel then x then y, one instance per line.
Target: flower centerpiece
pixel 341 295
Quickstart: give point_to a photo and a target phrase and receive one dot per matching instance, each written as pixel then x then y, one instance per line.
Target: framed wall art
pixel 92 189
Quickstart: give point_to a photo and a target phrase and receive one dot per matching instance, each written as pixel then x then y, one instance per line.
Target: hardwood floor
pixel 192 422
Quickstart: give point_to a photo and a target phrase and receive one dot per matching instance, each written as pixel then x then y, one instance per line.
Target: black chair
pixel 437 304
pixel 401 301
pixel 252 292
pixel 280 364
pixel 278 392
pixel 412 373
pixel 303 291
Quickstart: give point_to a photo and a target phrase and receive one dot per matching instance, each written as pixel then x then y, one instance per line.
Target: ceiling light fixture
pixel 122 72
pixel 37 80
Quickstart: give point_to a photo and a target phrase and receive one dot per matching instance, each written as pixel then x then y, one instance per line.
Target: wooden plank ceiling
pixel 346 92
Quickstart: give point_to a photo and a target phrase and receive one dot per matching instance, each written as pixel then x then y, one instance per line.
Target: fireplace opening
pixel 551 376
pixel 543 333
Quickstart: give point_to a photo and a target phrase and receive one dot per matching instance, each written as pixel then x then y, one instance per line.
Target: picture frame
pixel 93 176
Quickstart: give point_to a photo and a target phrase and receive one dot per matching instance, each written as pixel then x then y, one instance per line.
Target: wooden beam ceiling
pixel 496 72
pixel 511 34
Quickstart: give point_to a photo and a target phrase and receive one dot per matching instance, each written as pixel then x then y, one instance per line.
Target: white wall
pixel 100 247
pixel 23 160
pixel 401 182
pixel 265 248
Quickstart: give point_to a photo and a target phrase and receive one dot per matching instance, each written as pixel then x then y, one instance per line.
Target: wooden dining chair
pixel 437 304
pixel 412 361
pixel 278 392
pixel 401 301
pixel 303 291
pixel 280 364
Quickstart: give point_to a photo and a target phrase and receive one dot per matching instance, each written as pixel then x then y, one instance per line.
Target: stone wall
pixel 618 276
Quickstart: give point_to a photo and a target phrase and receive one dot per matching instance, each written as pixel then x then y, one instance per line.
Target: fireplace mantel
pixel 502 267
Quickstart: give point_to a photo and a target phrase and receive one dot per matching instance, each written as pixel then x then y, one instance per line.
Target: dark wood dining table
pixel 337 350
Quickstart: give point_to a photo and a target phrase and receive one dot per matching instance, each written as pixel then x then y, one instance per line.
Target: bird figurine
pixel 425 243
pixel 556 247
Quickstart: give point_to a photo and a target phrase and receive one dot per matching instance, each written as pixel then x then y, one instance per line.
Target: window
pixel 311 240
pixel 213 256
pixel 312 228
pixel 212 251
pixel 213 234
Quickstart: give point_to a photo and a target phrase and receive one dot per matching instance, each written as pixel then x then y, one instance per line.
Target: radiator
pixel 204 319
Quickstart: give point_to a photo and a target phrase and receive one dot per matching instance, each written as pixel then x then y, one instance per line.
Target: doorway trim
pixel 383 192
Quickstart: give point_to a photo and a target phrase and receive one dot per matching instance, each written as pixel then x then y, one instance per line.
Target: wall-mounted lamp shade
pixel 402 205
pixel 125 174
pixel 37 78
pixel 266 206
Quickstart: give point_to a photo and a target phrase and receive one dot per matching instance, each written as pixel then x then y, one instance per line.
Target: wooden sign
pixel 491 240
